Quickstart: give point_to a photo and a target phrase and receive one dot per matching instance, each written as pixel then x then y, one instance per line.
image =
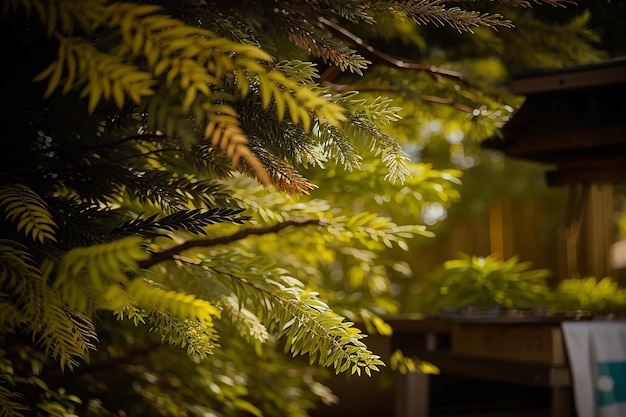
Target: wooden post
pixel 412 395
pixel 597 232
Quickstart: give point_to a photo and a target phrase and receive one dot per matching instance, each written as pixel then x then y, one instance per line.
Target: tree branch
pixel 378 56
pixel 172 252
pixel 437 73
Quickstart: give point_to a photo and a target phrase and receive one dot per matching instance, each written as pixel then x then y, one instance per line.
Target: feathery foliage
pixel 24 207
pixel 65 334
pixel 224 181
pixel 8 405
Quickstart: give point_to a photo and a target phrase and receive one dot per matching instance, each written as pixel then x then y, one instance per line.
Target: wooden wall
pixel 567 235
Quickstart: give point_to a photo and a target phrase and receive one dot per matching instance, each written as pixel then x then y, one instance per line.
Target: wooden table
pixel 517 350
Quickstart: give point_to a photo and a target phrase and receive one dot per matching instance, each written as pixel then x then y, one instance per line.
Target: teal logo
pixel 611 383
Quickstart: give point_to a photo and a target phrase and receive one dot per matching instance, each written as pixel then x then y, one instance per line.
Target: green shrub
pixel 589 294
pixel 486 283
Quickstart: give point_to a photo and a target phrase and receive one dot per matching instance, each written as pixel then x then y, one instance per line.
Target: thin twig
pixel 382 57
pixel 223 240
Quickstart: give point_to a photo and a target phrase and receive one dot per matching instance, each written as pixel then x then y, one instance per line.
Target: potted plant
pixel 597 297
pixel 485 283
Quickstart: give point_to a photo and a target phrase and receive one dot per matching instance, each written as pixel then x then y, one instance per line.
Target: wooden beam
pixel 606 73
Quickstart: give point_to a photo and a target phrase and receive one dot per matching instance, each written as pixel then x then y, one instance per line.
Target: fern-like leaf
pixel 339 147
pixel 245 322
pixel 308 326
pixel 184 305
pixel 527 3
pixel 193 221
pixel 193 336
pixel 208 160
pixel 310 37
pixel 366 120
pixel 305 323
pixel 25 207
pixel 373 231
pixel 225 133
pixel 437 13
pixel 10 315
pixel 84 273
pixel 106 76
pixel 9 405
pixel 64 334
pixel 283 174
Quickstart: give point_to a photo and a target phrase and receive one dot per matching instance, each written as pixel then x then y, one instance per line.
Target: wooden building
pixel 575 120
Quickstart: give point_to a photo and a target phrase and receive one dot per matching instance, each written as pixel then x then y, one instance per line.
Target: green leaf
pixel 31 212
